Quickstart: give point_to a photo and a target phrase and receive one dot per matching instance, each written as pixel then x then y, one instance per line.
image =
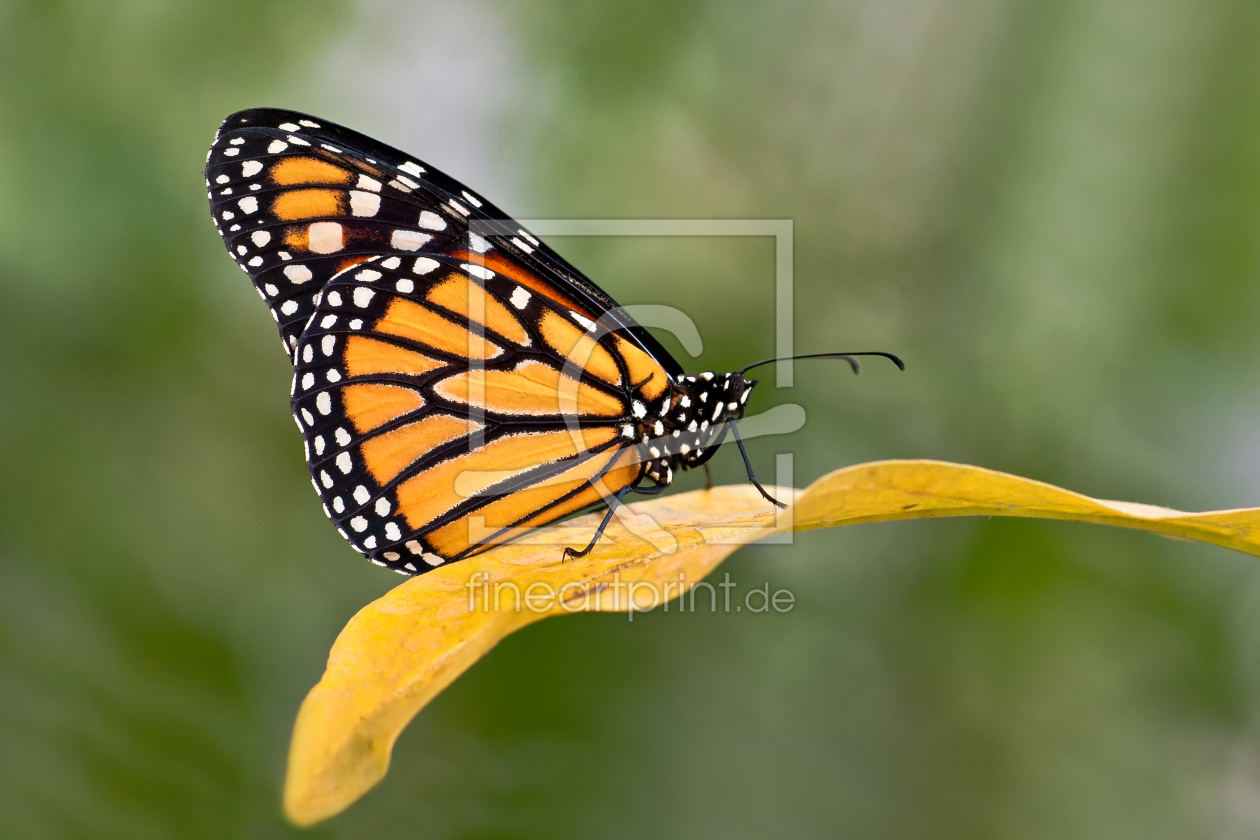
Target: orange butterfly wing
pixel 298 199
pixel 445 412
pixel 449 378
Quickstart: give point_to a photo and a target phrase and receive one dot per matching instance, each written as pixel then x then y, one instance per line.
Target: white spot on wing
pixel 363 296
pixel 325 237
pixel 289 307
pixel 323 403
pixel 412 168
pixel 249 204
pixel 424 265
pixel 277 146
pixel 431 221
pixel 405 286
pixel 343 461
pixel 260 237
pixel 520 298
pixel 250 168
pixel 366 183
pixel 364 203
pixel 408 240
pixel 479 271
pixel 298 273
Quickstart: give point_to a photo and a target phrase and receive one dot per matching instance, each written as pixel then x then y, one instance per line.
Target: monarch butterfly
pixel 455 381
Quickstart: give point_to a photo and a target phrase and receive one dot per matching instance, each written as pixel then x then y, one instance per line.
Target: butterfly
pixel 456 382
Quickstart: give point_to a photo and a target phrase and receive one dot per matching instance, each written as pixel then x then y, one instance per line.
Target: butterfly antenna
pixel 848 357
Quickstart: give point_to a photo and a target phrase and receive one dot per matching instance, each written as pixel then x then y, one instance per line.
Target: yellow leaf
pixel 398 652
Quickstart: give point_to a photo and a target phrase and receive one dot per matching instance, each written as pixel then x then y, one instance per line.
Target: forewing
pixel 298 199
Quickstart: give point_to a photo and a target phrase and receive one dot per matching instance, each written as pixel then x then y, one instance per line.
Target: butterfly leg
pixel 569 553
pixel 655 491
pixel 748 467
pixel 708 477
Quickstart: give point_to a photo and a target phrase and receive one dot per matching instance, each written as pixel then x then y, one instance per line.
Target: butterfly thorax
pixel 680 431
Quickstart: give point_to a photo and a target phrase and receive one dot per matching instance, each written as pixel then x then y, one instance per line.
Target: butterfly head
pixel 692 421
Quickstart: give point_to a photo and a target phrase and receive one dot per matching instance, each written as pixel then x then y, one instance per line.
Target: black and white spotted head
pixel 681 431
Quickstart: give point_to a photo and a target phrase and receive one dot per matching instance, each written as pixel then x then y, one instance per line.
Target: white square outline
pixel 781 230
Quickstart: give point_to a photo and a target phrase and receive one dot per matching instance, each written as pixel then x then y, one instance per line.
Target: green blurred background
pixel 1051 209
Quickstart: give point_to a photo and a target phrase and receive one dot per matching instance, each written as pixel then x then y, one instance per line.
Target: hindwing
pixel 447 409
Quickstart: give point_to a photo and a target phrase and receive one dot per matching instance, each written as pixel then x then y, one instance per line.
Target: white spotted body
pixel 682 429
